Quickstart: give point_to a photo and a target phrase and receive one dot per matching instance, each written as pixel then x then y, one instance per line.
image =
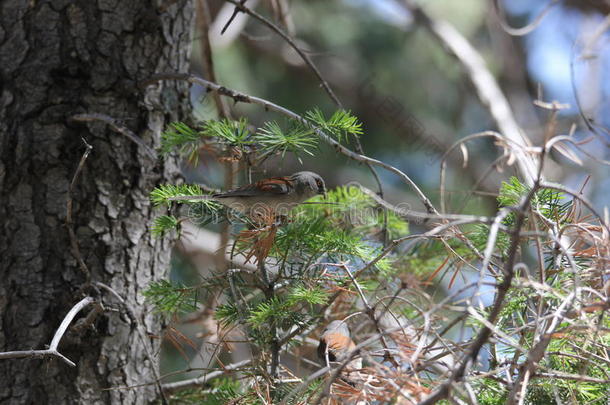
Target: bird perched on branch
pixel 273 196
pixel 337 343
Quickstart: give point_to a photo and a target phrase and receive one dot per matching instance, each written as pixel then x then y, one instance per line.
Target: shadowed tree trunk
pixel 59 58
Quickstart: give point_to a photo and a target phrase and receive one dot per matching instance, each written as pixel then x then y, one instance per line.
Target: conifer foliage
pixel 330 259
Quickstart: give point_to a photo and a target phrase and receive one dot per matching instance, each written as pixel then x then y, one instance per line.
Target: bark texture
pixel 59 58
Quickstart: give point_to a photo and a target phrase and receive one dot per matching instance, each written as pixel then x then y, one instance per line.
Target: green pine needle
pixel 227 314
pixel 341 124
pixel 163 193
pixel 296 139
pixel 511 192
pixel 267 312
pixel 549 203
pixel 312 296
pixel 234 133
pixel 163 224
pixel 169 298
pixel 179 136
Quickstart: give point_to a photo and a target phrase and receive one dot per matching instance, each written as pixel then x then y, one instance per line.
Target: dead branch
pixel 69 223
pixel 487 87
pixel 241 7
pixel 53 348
pixel 117 127
pixel 196 382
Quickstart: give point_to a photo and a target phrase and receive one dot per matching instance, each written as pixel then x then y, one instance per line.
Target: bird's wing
pixel 272 186
pixel 339 342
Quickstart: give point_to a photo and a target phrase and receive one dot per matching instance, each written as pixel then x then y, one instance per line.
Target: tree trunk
pixel 59 58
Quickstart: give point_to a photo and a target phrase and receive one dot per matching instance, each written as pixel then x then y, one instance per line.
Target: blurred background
pixel 413 98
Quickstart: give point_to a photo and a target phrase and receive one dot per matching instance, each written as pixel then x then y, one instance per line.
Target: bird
pixel 336 341
pixel 275 195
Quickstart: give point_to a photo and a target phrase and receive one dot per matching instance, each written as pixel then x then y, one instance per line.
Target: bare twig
pixel 117 127
pixel 508 144
pixel 572 377
pixel 420 218
pixel 241 7
pixel 219 40
pixel 282 14
pixel 70 224
pixel 483 336
pixel 488 90
pixel 599 31
pixel 590 123
pixel 196 382
pixel 52 350
pixel 370 311
pixel 517 394
pixel 236 10
pixel 203 11
pixel 527 28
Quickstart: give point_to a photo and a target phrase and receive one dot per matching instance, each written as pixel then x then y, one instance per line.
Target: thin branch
pixel 579 197
pixel 433 232
pixel 420 218
pixel 590 123
pixel 572 377
pixel 487 87
pixel 483 336
pixel 117 127
pixel 527 369
pixel 370 311
pixel 519 32
pixel 597 34
pixel 70 224
pixel 235 12
pixel 221 41
pixel 372 103
pixel 196 382
pixel 506 142
pixel 52 350
pixel 241 7
pixel 203 12
pixel 282 14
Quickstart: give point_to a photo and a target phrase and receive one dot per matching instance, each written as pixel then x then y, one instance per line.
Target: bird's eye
pixel 318 183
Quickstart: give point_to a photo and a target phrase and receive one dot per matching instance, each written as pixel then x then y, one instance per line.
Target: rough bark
pixel 59 58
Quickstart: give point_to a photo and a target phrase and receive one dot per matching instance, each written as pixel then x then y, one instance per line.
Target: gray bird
pixel 276 195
